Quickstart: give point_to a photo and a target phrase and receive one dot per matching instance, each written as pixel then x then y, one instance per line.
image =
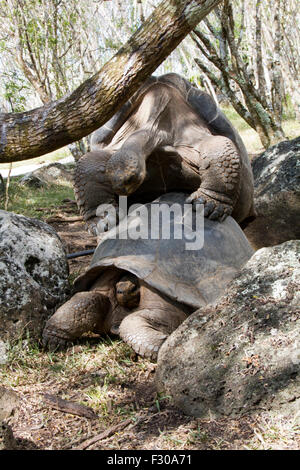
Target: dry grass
pixel 251 138
pixel 105 375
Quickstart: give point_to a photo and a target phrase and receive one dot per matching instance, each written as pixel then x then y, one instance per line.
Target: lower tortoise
pixel 143 289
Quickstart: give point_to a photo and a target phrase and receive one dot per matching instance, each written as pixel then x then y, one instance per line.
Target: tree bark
pixel 42 130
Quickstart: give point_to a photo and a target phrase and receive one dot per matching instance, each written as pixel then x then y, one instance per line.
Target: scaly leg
pixel 84 312
pixel 220 177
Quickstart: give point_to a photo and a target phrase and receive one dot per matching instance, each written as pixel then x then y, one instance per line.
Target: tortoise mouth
pixel 126 186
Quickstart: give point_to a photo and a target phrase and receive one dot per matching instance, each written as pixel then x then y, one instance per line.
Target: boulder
pixel 242 353
pixel 33 181
pixel 7 439
pixel 9 404
pixel 46 175
pixel 34 275
pixel 3 352
pixel 276 195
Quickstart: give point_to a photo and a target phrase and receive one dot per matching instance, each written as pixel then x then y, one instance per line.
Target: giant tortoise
pixel 170 136
pixel 144 288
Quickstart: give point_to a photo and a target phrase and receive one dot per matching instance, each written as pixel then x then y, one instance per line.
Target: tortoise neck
pixel 152 299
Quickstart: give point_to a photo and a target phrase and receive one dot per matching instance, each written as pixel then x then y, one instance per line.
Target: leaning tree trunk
pixel 42 130
pixel 228 59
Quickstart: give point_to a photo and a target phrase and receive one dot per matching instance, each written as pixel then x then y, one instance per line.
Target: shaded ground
pixel 75 238
pixel 105 375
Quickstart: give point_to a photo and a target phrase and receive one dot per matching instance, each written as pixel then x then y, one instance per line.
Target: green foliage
pixel 112 44
pixel 288 109
pixel 14 91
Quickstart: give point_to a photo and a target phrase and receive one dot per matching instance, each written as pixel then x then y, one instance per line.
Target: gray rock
pixel 7 439
pixel 276 195
pixel 33 181
pixel 46 175
pixel 3 353
pixel 243 353
pixel 33 272
pixel 9 403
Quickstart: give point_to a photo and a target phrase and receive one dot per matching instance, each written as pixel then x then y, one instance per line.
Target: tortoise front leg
pixel 84 312
pixel 220 177
pixel 146 329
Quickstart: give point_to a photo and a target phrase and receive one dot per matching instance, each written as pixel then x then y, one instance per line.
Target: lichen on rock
pixel 276 195
pixel 243 353
pixel 33 272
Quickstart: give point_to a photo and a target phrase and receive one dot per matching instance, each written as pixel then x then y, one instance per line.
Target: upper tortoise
pixel 170 136
pixel 171 142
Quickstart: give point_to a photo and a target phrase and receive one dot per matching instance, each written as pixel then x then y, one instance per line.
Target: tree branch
pixel 42 130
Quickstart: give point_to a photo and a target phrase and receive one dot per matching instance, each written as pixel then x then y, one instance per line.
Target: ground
pixel 105 375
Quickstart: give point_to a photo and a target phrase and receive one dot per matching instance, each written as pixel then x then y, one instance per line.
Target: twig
pixel 109 432
pixel 68 406
pixel 7 187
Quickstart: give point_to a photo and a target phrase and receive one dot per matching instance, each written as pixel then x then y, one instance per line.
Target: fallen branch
pixel 78 234
pixel 68 406
pixel 69 201
pixel 59 218
pixel 109 432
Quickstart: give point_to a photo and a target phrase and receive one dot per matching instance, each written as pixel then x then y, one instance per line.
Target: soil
pixel 74 236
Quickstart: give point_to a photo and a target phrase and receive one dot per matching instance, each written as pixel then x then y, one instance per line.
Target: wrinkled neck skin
pixel 106 282
pixel 151 299
pixel 148 128
pixel 155 126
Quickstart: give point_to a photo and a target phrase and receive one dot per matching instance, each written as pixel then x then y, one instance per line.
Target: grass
pixel 250 138
pixel 29 201
pixel 105 375
pixel 96 367
pixel 275 433
pixel 95 373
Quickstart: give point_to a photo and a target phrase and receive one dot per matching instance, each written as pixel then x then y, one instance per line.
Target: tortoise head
pixel 128 291
pixel 126 172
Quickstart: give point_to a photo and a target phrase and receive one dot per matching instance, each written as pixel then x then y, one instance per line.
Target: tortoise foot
pixel 213 208
pixel 141 346
pixel 53 341
pixel 91 226
pixel 83 313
